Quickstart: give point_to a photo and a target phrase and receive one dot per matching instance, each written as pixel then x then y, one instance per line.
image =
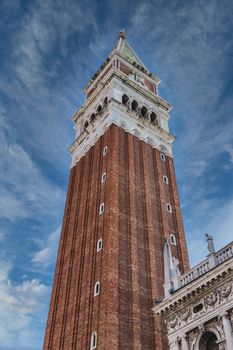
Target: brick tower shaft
pixel 122 204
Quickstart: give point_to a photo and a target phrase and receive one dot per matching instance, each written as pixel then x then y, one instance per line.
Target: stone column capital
pixel 225 314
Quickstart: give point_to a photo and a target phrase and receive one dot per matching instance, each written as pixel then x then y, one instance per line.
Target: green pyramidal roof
pixel 129 54
pixel 124 49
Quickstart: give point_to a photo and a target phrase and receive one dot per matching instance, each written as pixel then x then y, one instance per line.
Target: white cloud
pixel 24 189
pixel 2 236
pixel 49 24
pixel 47 255
pixel 218 223
pixel 22 311
pixel 221 225
pixel 229 149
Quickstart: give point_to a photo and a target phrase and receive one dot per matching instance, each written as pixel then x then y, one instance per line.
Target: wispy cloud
pixel 47 25
pixel 48 252
pixel 22 307
pixel 24 190
pixel 229 149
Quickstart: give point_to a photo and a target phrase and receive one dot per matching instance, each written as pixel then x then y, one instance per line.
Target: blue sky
pixel 49 50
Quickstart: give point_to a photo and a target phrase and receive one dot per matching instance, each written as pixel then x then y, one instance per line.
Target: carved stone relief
pixel 213 299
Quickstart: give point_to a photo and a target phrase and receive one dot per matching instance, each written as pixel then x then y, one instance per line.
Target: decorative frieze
pixel 202 311
pixel 184 315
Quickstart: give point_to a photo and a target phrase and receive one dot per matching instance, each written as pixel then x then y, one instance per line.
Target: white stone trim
pixel 101 209
pixel 169 207
pixel 99 245
pixel 103 177
pixel 118 114
pixel 165 179
pixel 97 288
pixel 93 343
pixel 173 239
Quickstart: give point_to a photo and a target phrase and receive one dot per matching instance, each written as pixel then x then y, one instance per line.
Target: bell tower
pixel 122 206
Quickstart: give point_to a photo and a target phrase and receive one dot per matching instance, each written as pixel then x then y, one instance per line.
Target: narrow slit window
pixel 105 150
pixel 162 156
pixel 97 289
pixel 99 245
pixel 173 239
pixel 101 209
pixel 103 177
pixel 169 207
pixel 165 179
pixel 93 341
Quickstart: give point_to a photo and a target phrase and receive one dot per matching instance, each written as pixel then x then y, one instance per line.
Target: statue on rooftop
pixel 210 243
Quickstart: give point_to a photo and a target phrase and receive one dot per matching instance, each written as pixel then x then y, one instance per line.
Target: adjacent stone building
pixel 198 308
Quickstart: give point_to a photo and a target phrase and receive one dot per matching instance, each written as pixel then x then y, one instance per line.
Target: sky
pixel 49 50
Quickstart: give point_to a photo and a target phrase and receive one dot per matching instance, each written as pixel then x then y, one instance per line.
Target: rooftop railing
pixel 210 262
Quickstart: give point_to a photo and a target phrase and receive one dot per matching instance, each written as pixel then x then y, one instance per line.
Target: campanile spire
pixel 122 205
pixel 122 34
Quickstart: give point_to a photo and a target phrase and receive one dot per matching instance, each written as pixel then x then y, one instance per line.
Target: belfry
pixel 122 206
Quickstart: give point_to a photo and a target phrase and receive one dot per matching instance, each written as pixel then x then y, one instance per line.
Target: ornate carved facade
pixel 199 313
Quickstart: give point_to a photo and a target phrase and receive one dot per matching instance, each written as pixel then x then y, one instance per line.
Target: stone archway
pixel 208 341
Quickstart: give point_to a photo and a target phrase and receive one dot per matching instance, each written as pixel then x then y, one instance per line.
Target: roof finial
pixel 122 34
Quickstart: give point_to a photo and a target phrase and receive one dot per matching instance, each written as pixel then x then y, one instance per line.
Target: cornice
pixel 114 73
pixel 195 287
pixel 109 61
pixel 116 113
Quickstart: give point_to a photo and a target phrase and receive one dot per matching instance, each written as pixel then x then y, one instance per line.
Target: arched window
pixel 101 209
pixel 144 111
pixel 125 99
pixel 103 177
pixel 93 117
pixel 162 156
pixel 208 341
pixel 165 179
pixel 99 245
pixel 93 341
pixel 99 108
pixel 105 100
pixel 97 289
pixel 172 239
pixel 134 105
pixel 154 118
pixel 169 207
pixel 86 124
pixel 105 150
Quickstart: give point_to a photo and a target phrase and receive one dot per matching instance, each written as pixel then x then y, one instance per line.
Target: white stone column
pixel 185 342
pixel 227 327
pixel 173 345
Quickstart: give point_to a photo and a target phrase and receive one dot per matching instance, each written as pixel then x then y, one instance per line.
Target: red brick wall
pixel 130 265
